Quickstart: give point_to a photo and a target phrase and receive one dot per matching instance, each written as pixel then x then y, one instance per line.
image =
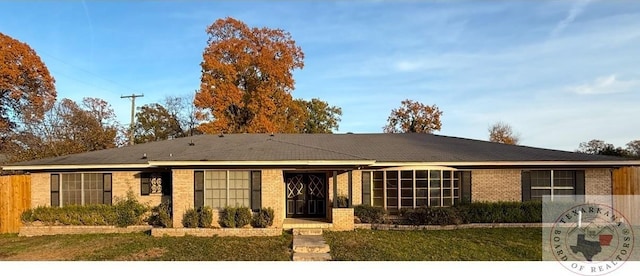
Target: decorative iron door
pixel 306 195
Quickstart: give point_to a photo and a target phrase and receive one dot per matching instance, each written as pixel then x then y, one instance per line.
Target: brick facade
pixel 356 188
pixel 342 219
pixel 40 189
pixel 597 181
pixel 273 194
pixel 598 186
pixel 496 185
pixel 505 185
pixel 122 182
pixel 182 194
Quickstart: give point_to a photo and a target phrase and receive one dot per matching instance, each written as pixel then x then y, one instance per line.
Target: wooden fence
pixel 15 197
pixel 626 192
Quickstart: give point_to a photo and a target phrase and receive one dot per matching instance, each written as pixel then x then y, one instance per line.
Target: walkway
pixel 309 245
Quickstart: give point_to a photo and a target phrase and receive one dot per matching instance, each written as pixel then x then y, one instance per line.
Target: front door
pixel 306 194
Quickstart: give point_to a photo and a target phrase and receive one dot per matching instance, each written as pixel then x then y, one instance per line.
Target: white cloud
pixel 577 8
pixel 605 85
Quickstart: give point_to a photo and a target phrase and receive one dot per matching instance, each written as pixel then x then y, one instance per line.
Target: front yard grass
pixel 140 246
pixel 497 244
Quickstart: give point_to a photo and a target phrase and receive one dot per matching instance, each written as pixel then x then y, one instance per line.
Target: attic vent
pixel 191 143
pixel 144 156
pixel 221 135
pixel 271 134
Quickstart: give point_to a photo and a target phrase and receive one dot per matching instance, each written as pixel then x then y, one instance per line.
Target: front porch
pixel 342 219
pixel 306 223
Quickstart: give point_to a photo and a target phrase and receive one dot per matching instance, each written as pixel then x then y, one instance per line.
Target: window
pixel 378 187
pixel 80 189
pixel 221 188
pixel 155 183
pixel 407 189
pixel 554 183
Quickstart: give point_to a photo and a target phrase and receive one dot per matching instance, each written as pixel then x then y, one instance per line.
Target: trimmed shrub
pixel 129 211
pixel 243 216
pixel 161 215
pixel 501 212
pixel 205 217
pixel 369 214
pixel 228 217
pixel 124 213
pixel 430 216
pixel 190 218
pixel 263 218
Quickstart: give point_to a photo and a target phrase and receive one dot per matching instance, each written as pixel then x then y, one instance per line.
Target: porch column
pixel 350 188
pixel 335 188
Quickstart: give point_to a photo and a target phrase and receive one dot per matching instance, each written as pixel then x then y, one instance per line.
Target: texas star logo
pixel 591 239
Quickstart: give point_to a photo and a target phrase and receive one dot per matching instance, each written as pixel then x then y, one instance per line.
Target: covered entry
pixel 306 195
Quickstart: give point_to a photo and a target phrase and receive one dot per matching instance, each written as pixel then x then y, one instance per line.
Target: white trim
pixel 74 167
pixel 371 163
pixel 508 163
pixel 265 163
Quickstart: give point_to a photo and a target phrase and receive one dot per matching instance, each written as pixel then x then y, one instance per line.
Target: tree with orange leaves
pixel 502 132
pixel 247 79
pixel 414 117
pixel 27 89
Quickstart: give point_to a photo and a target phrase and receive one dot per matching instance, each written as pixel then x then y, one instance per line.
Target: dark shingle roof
pixel 338 147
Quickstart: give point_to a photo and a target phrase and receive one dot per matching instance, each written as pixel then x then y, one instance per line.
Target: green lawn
pixel 508 244
pixel 141 246
pixel 498 244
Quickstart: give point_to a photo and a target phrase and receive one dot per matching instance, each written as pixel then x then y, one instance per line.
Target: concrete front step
pixel 310 244
pixel 307 232
pixel 311 257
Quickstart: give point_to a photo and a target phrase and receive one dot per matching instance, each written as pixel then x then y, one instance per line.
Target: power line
pixel 88 72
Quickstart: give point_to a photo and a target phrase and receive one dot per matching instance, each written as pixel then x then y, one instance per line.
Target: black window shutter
pixel 107 188
pixel 166 183
pixel 526 185
pixel 465 187
pixel 579 189
pixel 366 188
pixel 145 183
pixel 198 187
pixel 256 190
pixel 55 190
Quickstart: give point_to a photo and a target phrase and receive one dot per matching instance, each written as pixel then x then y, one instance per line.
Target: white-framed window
pixel 403 189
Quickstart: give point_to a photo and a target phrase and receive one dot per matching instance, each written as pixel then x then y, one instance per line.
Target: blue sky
pixel 560 72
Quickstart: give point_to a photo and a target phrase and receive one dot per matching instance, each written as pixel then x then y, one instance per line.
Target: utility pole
pixel 133 112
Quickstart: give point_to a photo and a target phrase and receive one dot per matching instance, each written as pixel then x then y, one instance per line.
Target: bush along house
pixel 302 176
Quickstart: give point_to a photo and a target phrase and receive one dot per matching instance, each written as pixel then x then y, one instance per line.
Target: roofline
pixel 265 163
pixel 369 163
pixel 510 163
pixel 71 167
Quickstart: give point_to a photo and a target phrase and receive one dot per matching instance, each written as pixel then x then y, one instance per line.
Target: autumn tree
pixel 318 116
pixel 501 132
pixel 633 148
pixel 27 89
pixel 183 109
pixel 247 79
pixel 596 146
pixel 155 123
pixel 66 129
pixel 414 116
